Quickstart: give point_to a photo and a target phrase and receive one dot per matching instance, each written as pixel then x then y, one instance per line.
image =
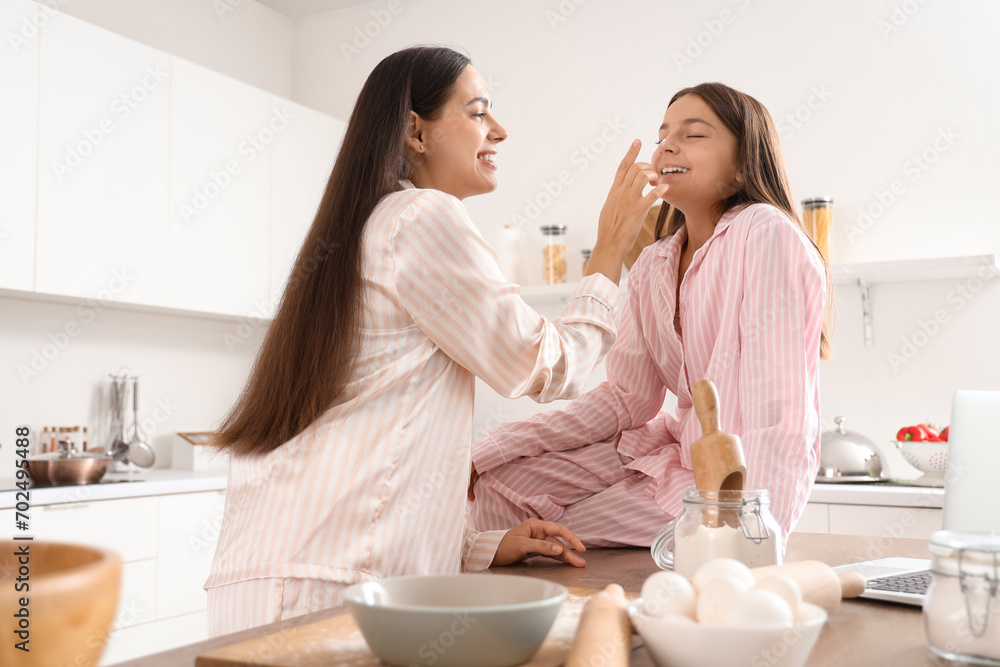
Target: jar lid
pixel 724 498
pixel 816 201
pixel 949 542
pixel 553 229
pixel 586 252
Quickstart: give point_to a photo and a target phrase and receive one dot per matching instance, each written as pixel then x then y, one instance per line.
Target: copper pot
pixel 67 466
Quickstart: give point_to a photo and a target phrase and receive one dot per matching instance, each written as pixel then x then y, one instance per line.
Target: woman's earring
pixel 421 148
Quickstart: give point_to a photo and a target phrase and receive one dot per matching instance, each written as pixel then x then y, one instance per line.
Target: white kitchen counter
pixel 154 482
pixel 877 494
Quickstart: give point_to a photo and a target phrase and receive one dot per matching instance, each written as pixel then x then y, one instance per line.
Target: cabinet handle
pixel 65 506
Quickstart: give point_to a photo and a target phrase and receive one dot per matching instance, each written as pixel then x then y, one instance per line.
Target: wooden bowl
pixel 71 600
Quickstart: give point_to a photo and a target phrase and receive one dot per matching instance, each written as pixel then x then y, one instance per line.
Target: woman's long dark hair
pixel 765 180
pixel 307 356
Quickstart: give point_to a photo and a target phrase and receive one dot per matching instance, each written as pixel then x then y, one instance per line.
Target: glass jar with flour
pixel 719 524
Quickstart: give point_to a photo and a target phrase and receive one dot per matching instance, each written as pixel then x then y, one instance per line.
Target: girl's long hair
pixel 306 359
pixel 760 161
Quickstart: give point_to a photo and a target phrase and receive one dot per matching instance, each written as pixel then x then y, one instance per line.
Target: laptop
pixel 970 492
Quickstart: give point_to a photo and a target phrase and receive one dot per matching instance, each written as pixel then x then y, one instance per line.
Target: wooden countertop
pixel 860 633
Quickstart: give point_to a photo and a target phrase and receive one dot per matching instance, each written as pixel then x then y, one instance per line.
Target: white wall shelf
pixel 863 274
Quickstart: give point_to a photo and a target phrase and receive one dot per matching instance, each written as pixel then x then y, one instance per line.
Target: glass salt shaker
pixel 719 524
pixel 962 608
pixel 554 254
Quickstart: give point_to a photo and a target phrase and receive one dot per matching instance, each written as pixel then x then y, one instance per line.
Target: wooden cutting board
pixel 337 641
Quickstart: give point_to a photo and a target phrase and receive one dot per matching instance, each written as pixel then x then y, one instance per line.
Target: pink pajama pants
pixel 589 490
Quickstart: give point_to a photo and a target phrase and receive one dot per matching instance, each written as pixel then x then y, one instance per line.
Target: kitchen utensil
pixel 604 631
pixel 67 466
pixel 139 452
pixel 118 449
pixel 929 457
pixel 745 531
pixel 486 620
pixel 337 641
pixel 818 582
pixel 74 594
pixel 675 644
pixel 846 455
pixel 716 457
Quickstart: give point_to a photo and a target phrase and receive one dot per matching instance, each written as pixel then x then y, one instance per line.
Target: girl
pixel 733 291
pixel 350 443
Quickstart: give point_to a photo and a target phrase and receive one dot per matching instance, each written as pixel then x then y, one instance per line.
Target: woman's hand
pixel 535 537
pixel 623 214
pixel 473 478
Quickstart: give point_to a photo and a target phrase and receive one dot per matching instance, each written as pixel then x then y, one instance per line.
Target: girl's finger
pixel 568 556
pixel 554 529
pixel 630 155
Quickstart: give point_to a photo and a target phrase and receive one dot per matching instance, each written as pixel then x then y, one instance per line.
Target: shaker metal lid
pixel 553 229
pixel 816 201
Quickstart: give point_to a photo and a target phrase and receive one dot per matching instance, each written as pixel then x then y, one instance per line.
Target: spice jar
pixel 719 524
pixel 817 216
pixel 586 258
pixel 554 254
pixel 962 609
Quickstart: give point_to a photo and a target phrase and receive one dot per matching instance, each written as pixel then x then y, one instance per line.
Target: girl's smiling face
pixel 696 155
pixel 456 152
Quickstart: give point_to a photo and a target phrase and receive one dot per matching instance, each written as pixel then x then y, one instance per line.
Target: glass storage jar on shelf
pixel 554 254
pixel 817 216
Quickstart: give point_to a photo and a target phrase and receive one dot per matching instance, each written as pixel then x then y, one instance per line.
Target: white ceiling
pixel 296 9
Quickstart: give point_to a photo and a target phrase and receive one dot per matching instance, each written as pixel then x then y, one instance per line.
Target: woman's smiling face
pixel 456 152
pixel 695 155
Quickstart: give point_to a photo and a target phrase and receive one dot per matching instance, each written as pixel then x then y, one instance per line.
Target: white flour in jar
pixel 947 622
pixel 695 544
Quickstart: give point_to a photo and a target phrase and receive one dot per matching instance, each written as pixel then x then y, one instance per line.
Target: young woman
pixel 351 442
pixel 733 291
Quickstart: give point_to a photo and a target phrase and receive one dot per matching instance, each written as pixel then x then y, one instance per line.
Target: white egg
pixel 676 619
pixel 716 596
pixel 808 612
pixel 720 566
pixel 759 609
pixel 784 586
pixel 667 593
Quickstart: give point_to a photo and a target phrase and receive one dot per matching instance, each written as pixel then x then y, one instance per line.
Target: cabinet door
pixel 126 526
pixel 222 138
pixel 189 531
pixel 302 161
pixel 885 522
pixel 102 176
pixel 19 21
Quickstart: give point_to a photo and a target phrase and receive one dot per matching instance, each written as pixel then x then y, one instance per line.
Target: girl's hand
pixel 623 213
pixel 535 537
pixel 473 478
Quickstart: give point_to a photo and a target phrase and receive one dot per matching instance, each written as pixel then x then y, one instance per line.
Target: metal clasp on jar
pixel 754 529
pixel 977 585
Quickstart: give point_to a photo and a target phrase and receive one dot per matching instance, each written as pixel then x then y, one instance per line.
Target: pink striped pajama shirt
pixel 613 465
pixel 376 486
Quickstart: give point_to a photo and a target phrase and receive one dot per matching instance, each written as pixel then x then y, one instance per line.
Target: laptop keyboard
pixel 916 583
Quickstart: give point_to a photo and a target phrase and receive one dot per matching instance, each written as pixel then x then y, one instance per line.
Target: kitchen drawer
pixel 139 640
pixel 189 531
pixel 126 526
pixel 885 522
pixel 815 519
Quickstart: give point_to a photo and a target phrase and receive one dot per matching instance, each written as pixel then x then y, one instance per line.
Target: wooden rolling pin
pixel 817 581
pixel 604 635
pixel 716 457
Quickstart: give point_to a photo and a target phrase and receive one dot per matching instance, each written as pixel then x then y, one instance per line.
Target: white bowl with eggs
pixel 723 616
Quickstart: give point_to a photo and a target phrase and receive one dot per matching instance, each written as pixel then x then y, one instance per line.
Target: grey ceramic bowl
pixel 461 620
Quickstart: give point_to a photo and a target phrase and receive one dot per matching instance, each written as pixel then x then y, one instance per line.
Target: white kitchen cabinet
pixel 126 526
pixel 103 140
pixel 137 600
pixel 19 21
pixel 189 530
pixel 129 643
pixel 302 160
pixel 885 522
pixel 815 519
pixel 223 133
